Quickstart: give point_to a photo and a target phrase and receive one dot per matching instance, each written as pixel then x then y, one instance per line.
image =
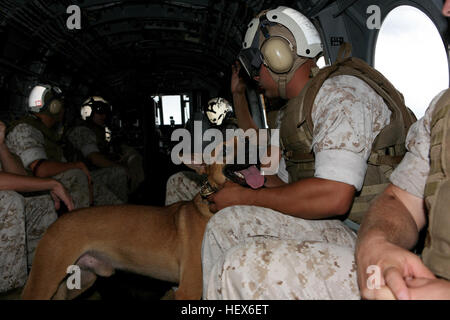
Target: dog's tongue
pixel 253 177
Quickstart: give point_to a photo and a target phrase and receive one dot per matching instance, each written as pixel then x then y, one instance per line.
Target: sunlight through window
pixel 411 54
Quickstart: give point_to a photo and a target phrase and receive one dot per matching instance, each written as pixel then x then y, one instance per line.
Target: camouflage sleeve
pixel 412 173
pixel 347 115
pixel 84 140
pixel 27 142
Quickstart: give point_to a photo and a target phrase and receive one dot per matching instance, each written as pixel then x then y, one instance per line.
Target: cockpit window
pixel 411 54
pixel 171 106
pixel 172 109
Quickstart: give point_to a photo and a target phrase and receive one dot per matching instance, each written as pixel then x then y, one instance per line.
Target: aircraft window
pixel 171 107
pixel 186 111
pixel 157 117
pixel 411 54
pixel 321 62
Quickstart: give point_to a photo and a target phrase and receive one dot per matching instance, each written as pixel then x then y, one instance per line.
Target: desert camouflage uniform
pixel 412 173
pixel 257 253
pixel 28 143
pixel 23 222
pixel 183 186
pixel 269 255
pixel 115 179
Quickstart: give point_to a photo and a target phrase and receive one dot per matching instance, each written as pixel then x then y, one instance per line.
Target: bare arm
pixel 9 162
pixel 49 168
pixel 390 228
pixel 312 198
pixel 396 216
pixel 9 181
pixel 20 183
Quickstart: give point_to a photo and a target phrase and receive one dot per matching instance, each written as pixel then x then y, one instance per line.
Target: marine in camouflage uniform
pixel 424 173
pixel 342 131
pixel 86 141
pixel 23 222
pixel 30 145
pixel 294 257
pixel 417 199
pixel 185 185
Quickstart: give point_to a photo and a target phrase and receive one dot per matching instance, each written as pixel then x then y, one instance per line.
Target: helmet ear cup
pixel 55 106
pixel 278 54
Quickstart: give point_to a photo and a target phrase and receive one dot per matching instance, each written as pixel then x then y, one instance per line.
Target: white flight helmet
pixel 46 99
pixel 284 50
pixel 217 110
pixel 95 104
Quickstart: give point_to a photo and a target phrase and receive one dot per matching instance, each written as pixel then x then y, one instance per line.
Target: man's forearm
pixel 22 183
pixel 388 219
pixel 50 168
pixel 10 163
pixel 312 198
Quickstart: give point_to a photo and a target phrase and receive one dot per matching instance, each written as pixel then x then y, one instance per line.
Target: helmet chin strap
pixel 283 79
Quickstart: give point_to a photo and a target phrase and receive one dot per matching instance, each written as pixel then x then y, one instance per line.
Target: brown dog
pixel 160 242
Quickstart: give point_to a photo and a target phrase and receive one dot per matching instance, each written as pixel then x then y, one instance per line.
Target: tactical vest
pixel 52 140
pixel 387 149
pixel 436 253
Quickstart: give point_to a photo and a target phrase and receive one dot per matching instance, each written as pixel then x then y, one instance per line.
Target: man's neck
pixel 46 120
pixel 299 80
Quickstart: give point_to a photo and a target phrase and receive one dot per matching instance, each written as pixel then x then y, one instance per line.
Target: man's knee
pixel 174 180
pixel 12 203
pixel 286 269
pixel 77 175
pixel 117 171
pixel 221 219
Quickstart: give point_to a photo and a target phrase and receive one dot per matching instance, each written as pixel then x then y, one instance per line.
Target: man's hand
pixel 2 132
pixel 58 193
pixel 231 194
pixel 428 289
pixel 396 265
pixel 237 83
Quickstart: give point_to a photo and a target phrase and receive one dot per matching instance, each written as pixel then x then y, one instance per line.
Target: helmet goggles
pixel 100 107
pixel 251 58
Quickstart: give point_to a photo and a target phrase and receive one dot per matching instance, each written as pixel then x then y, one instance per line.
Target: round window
pixel 411 54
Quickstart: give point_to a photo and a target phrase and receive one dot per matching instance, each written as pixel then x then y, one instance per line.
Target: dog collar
pixel 207 189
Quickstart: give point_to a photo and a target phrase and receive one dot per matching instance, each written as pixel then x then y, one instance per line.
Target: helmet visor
pixel 251 60
pixel 101 107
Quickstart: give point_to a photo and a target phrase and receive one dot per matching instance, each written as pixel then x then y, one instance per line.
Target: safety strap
pixel 282 80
